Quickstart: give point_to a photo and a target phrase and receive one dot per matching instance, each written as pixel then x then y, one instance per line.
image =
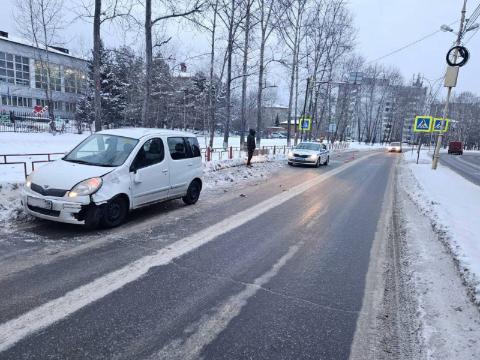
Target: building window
pixel 41 102
pixel 57 105
pixel 70 107
pixel 14 69
pixel 74 81
pixel 41 75
pixel 18 101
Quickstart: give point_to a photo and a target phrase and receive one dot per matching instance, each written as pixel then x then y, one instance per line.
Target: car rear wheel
pixel 115 212
pixel 193 193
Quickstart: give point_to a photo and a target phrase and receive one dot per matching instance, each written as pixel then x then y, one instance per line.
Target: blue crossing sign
pixel 423 124
pixel 437 125
pixel 305 123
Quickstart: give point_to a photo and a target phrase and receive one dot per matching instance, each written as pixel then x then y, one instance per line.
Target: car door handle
pixel 190 164
pixel 165 171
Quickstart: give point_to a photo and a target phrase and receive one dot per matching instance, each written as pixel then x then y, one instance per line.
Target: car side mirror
pixel 137 177
pixel 133 167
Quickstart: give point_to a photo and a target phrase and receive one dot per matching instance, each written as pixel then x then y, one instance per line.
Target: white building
pixel 23 83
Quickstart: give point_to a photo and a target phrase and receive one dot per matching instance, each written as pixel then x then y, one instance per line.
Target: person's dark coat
pixel 251 141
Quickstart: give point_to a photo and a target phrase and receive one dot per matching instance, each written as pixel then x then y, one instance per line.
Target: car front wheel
pixel 327 161
pixel 115 212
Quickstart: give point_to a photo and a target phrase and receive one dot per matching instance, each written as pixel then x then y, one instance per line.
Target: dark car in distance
pixel 455 147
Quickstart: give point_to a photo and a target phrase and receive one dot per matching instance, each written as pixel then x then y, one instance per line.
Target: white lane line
pixel 55 310
pixel 210 326
pixel 468 163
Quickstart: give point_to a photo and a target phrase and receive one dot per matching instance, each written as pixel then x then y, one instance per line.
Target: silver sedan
pixel 309 153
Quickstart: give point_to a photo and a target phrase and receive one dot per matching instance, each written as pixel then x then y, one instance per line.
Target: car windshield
pixel 102 150
pixel 308 146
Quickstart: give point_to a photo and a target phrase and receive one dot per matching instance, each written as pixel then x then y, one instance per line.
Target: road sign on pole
pixel 423 124
pixel 439 125
pixel 305 123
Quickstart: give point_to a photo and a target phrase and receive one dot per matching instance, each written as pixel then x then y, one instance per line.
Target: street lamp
pixel 446 28
pixel 473 27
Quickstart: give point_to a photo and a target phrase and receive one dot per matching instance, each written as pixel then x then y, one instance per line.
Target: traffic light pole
pixel 436 154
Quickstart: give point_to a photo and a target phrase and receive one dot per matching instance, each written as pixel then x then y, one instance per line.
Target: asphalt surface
pixel 286 284
pixel 466 165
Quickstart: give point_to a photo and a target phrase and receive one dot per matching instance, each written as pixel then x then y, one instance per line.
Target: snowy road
pixel 274 269
pixel 467 165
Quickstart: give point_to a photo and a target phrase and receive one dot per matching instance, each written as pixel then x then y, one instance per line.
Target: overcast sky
pixel 383 26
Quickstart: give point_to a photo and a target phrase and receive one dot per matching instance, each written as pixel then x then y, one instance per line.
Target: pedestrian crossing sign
pixel 423 124
pixel 305 123
pixel 437 125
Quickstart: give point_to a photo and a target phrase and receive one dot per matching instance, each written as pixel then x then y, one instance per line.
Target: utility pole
pixel 436 154
pixel 304 107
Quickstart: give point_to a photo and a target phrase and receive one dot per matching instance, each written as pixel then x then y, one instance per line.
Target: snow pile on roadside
pixel 33 143
pixel 11 209
pixel 223 173
pixel 452 204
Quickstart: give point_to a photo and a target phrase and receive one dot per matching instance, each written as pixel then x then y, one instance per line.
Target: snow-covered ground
pixel 219 172
pixel 45 143
pixel 452 204
pixel 446 322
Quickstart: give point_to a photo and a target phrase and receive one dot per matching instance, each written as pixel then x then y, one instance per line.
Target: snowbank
pixel 217 174
pixel 226 173
pixel 452 203
pixel 33 143
pixel 11 210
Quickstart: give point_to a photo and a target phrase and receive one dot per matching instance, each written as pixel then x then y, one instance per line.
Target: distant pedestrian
pixel 250 146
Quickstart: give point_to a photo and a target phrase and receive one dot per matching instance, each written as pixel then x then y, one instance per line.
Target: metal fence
pixel 28 162
pixel 29 122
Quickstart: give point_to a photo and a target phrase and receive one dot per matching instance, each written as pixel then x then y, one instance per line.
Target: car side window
pixel 194 147
pixel 178 148
pixel 152 152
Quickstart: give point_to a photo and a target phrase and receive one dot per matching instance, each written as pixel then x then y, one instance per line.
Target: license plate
pixel 299 159
pixel 40 203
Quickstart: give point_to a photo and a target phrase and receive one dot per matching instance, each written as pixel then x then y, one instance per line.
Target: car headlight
pixel 28 181
pixel 290 154
pixel 313 157
pixel 86 187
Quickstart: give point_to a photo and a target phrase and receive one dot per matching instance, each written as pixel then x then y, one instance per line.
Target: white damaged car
pixel 309 153
pixel 115 171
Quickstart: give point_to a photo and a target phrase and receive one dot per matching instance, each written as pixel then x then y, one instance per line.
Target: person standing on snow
pixel 250 146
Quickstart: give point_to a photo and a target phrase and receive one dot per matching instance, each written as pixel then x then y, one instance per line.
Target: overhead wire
pixel 408 45
pixel 474 16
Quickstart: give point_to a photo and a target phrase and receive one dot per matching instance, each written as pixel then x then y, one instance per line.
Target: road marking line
pixel 55 310
pixel 210 326
pixel 463 161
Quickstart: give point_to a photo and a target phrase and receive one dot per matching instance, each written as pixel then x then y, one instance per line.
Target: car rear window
pixel 183 148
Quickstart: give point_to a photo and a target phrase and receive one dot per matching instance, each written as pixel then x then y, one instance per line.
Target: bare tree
pixel 329 38
pixel 246 48
pixel 292 22
pixel 170 10
pixel 268 23
pixel 103 11
pixel 97 43
pixel 43 19
pixel 232 21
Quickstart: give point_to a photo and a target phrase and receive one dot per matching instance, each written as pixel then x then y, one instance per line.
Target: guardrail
pixel 29 161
